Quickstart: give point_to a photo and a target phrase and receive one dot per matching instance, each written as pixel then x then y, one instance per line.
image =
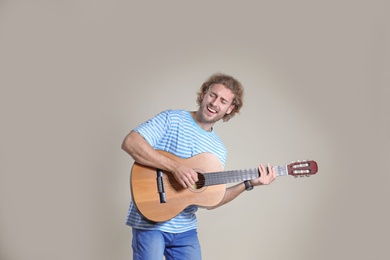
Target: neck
pixel 208 127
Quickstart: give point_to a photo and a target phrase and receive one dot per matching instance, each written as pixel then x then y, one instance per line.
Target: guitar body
pixel 145 188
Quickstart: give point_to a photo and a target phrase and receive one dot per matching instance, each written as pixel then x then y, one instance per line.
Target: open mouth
pixel 211 110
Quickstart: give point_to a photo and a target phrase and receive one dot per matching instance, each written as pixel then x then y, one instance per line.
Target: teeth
pixel 211 110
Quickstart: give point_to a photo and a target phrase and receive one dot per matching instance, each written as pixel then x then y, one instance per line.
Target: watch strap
pixel 248 186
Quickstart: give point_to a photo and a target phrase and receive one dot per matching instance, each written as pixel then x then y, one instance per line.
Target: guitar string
pixel 216 178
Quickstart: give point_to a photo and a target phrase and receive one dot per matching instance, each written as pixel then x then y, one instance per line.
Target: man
pixel 184 134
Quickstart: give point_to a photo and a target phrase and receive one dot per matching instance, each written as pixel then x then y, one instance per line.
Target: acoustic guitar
pixel 159 197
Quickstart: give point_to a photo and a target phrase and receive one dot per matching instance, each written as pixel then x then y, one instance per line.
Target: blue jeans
pixel 154 244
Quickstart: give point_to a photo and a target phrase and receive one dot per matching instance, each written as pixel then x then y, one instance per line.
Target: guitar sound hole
pixel 201 181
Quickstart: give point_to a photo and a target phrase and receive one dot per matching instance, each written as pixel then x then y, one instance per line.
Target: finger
pixel 189 181
pixel 195 176
pixel 272 174
pixel 269 169
pixel 192 179
pixel 261 169
pixel 183 183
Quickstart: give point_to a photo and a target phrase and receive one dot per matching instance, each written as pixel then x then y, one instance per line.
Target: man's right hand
pixel 185 175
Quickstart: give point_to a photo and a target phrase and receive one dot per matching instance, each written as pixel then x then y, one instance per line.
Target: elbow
pixel 134 144
pixel 126 144
pixel 214 207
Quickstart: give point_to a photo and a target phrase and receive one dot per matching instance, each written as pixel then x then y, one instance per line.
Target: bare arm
pixel 234 191
pixel 142 152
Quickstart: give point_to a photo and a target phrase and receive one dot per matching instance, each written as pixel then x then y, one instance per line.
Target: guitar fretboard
pixel 233 176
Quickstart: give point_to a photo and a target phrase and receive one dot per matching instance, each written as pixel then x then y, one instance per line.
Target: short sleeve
pixel 155 128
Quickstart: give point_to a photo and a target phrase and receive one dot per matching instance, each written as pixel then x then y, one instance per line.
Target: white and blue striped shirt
pixel 176 132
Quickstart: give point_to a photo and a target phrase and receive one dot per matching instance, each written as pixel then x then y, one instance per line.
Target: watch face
pixel 248 186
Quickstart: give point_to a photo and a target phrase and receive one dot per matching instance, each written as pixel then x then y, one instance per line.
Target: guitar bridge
pixel 160 186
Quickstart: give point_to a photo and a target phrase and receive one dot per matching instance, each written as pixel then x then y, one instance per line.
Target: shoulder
pixel 176 115
pixel 170 114
pixel 175 112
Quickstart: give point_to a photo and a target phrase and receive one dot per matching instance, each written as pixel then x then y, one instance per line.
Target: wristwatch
pixel 248 186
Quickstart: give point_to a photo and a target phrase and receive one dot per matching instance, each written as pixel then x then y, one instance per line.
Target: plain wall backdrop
pixel 77 76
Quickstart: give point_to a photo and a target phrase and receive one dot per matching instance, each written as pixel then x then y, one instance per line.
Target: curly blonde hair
pixel 229 82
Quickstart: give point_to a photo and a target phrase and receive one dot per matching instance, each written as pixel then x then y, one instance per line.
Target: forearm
pixel 264 179
pixel 230 194
pixel 140 150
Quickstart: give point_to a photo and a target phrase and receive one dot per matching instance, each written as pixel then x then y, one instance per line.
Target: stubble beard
pixel 204 114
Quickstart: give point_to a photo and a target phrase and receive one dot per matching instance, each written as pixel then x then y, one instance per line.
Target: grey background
pixel 77 76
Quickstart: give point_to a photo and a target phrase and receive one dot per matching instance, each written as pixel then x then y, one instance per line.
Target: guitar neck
pixel 233 176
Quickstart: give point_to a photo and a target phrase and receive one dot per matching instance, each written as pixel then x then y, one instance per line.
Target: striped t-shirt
pixel 176 132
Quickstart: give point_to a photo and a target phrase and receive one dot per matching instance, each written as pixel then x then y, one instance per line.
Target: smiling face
pixel 216 102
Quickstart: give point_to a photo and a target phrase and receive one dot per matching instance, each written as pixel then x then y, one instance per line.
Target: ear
pixel 230 109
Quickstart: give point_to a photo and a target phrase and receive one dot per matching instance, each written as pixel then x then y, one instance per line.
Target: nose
pixel 214 102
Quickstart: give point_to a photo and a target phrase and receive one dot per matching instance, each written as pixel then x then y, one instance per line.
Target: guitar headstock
pixel 302 168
